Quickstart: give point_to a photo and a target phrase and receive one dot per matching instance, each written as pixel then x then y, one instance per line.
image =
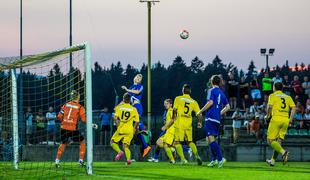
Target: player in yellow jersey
pixel 280 112
pixel 168 138
pixel 183 108
pixel 125 116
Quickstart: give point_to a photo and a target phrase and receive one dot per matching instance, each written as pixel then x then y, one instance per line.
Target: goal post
pixel 48 79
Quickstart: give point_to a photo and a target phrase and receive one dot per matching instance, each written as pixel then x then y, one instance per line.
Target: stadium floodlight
pixel 149 7
pixel 263 51
pixel 271 51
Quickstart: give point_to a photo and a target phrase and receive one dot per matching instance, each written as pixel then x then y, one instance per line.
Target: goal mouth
pixel 33 91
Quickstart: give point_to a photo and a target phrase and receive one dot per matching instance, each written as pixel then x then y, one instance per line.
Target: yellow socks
pixel 115 147
pixel 169 153
pixel 127 153
pixel 180 151
pixel 194 148
pixel 277 147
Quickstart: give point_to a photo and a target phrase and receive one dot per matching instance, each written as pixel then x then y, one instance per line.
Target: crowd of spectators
pixel 248 98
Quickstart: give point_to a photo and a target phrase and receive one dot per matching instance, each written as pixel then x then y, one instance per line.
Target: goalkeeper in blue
pixel 217 105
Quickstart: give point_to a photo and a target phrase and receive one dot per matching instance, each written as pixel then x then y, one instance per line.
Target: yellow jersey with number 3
pixel 185 105
pixel 127 114
pixel 281 104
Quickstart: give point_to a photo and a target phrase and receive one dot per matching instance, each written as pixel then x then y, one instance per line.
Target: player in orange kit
pixel 68 117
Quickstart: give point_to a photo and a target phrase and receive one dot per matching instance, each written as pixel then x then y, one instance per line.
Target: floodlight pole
pixel 267 63
pixel 149 62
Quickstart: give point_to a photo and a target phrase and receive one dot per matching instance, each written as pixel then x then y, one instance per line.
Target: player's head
pixel 168 103
pixel 75 96
pixel 186 89
pixel 50 109
pixel 138 79
pixel 126 98
pixel 278 86
pixel 216 80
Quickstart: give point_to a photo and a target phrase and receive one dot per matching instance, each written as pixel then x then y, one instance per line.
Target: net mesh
pixel 42 89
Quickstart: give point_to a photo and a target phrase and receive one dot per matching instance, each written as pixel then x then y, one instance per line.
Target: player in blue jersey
pixel 217 105
pixel 136 92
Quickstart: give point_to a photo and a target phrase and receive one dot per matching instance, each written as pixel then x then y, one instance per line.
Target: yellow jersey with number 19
pixel 127 114
pixel 185 105
pixel 281 105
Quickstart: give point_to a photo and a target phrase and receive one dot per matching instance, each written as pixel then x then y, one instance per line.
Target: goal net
pixel 35 92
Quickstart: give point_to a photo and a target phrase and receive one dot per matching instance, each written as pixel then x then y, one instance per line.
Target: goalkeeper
pixel 68 117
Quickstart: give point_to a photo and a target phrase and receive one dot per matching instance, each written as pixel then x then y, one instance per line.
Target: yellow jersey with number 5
pixel 281 104
pixel 185 105
pixel 127 114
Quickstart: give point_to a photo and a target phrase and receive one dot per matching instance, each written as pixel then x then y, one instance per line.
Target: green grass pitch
pixel 162 170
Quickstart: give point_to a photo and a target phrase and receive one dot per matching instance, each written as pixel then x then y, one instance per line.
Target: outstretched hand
pixel 124 88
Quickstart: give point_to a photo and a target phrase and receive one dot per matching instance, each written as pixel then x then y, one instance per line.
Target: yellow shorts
pixel 277 128
pixel 168 138
pixel 182 135
pixel 125 138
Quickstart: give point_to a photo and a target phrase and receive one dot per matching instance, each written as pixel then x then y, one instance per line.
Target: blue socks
pixel 157 151
pixel 215 148
pixel 213 153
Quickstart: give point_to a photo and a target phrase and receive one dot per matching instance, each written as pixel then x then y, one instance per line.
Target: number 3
pixel 284 104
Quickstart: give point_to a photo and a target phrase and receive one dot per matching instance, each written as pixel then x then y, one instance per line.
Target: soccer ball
pixel 184 34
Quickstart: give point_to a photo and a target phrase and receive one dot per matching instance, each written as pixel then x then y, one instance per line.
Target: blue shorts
pixel 51 128
pixel 139 108
pixel 211 128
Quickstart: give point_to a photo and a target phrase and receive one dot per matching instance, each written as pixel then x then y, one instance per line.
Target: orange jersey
pixel 70 114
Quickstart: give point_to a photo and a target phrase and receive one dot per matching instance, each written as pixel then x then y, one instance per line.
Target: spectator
pixel 40 119
pixel 29 125
pixel 232 88
pixel 247 120
pixel 105 118
pixel 254 108
pixel 296 85
pixel 244 91
pixel 308 104
pixel 298 115
pixel 306 86
pixel 255 92
pixel 306 120
pixel 255 127
pixel 51 117
pixel 277 78
pixel 246 102
pixel 267 84
pixel 287 88
pixel 237 117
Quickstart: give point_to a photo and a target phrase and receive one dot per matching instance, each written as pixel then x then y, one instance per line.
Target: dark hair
pixel 74 95
pixel 126 98
pixel 168 100
pixel 216 80
pixel 278 86
pixel 186 89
